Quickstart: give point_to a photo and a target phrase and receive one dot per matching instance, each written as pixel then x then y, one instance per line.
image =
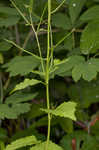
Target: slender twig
pixel 39 48
pixel 56 9
pixel 67 35
pixel 20 12
pixel 38 27
pixel 22 49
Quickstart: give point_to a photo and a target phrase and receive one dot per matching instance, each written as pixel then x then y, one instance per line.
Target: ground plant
pixel 49 80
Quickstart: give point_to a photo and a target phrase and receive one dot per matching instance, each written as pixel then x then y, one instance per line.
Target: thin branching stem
pixel 47 72
pixel 39 48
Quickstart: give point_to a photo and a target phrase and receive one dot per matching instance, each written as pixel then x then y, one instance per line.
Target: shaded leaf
pixel 63 22
pixel 89 42
pixel 4 46
pixel 20 97
pixel 75 7
pixel 91 14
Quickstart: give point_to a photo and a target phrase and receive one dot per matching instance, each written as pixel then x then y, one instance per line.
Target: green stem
pixel 39 48
pixel 56 9
pixel 67 35
pixel 47 72
pixel 1 87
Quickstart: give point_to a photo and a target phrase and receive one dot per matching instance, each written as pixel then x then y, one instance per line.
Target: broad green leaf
pixel 21 65
pixel 87 70
pixel 91 14
pixel 51 146
pixel 89 42
pixel 68 63
pixel 63 22
pixel 20 97
pixel 8 16
pixel 4 46
pixel 23 142
pixel 66 109
pixel 26 83
pixel 75 7
pixel 15 105
pixel 84 93
pixel 13 111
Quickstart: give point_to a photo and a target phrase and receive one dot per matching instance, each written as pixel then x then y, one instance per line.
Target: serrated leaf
pixel 91 14
pixel 68 63
pixel 13 111
pixel 23 142
pixel 26 83
pixel 20 97
pixel 75 7
pixel 66 109
pixel 51 146
pixel 22 65
pixel 63 22
pixel 87 70
pixel 89 42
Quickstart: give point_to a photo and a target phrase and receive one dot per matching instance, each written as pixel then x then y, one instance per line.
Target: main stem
pixel 47 71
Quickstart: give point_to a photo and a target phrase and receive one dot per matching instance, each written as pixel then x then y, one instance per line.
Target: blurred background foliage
pixel 20 113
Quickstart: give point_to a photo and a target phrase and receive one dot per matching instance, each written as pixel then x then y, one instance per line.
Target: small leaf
pixel 23 142
pixel 26 83
pixel 51 146
pixel 66 109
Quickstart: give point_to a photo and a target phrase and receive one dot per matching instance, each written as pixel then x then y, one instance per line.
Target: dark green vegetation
pixel 49 64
